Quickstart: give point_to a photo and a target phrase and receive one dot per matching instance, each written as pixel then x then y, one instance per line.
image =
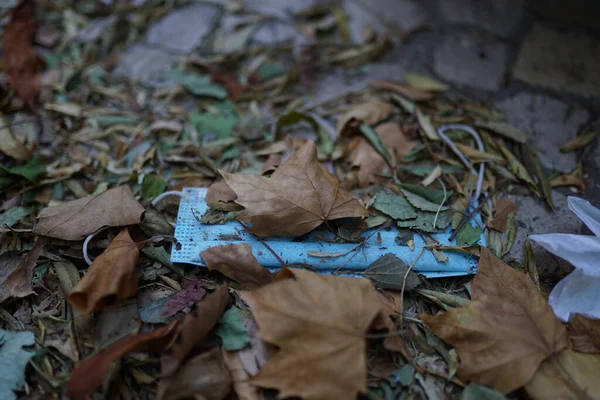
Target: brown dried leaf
pixel 204 375
pixel 77 219
pixel 9 261
pixel 194 328
pixel 406 91
pixel 318 322
pixel 371 112
pixel 19 60
pixel 88 374
pixel 363 155
pixel 584 334
pixel 220 197
pixel 568 375
pixel 111 278
pixel 18 282
pixel 243 389
pixel 507 331
pixel 237 262
pixel 503 209
pixel 299 196
pixel 9 144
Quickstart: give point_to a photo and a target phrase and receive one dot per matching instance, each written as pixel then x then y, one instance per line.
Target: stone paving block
pixel 144 64
pixel 564 61
pixel 549 123
pixel 279 8
pixel 184 28
pixel 533 217
pixel 499 16
pixel 471 60
pixel 380 15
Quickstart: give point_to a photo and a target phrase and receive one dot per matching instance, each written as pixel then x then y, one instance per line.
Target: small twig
pixel 283 264
pixel 463 221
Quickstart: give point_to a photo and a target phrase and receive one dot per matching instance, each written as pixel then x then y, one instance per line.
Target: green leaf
pixel 494 242
pixel 269 70
pixel 39 272
pixel 544 182
pixel 478 392
pixel 13 360
pixel 504 129
pixel 424 221
pixel 468 235
pixel 105 121
pixel 293 118
pixel 388 272
pixel 29 171
pixel 431 194
pixel 393 205
pixel 517 168
pixel 404 376
pixel 232 331
pixel 511 233
pixel 422 203
pixel 152 186
pixel 219 124
pixel 424 170
pixel 427 126
pixel 13 215
pixel 197 85
pixel 377 143
pixel 423 82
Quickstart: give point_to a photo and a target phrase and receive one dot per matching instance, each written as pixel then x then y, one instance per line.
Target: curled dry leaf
pixel 77 219
pixel 111 278
pixel 237 262
pixel 299 196
pixel 503 209
pixel 318 323
pixel 584 334
pixel 243 389
pixel 220 197
pixel 371 112
pixel 194 328
pixel 204 375
pixel 568 375
pixel 18 59
pixel 370 163
pixel 18 282
pixel 88 374
pixel 506 332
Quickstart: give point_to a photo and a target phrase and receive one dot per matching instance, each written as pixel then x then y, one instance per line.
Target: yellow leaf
pixel 423 82
pixel 371 112
pixel 317 321
pixel 506 332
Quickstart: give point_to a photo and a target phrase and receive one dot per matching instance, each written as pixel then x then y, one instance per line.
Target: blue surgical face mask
pixel 315 249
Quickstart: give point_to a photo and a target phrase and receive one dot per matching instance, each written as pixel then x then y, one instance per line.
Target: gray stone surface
pixel 145 64
pixel 471 60
pixel 564 61
pixel 549 123
pixel 534 217
pixel 274 32
pixel 391 17
pixel 184 28
pixel 499 16
pixel 279 8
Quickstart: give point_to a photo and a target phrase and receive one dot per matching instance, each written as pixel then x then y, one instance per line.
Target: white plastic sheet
pixel 579 292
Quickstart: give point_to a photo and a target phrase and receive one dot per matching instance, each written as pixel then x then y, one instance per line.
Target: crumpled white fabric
pixel 579 292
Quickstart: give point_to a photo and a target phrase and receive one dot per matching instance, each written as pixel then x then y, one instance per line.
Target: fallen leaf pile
pixel 427 298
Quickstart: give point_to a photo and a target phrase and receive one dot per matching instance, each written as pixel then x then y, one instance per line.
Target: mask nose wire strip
pixel 154 202
pixel 442 130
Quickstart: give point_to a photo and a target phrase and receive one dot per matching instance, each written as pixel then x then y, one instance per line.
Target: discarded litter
pixel 315 250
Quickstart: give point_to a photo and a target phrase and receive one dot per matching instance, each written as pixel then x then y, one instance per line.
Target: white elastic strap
pixel 441 131
pixel 165 194
pixel 86 242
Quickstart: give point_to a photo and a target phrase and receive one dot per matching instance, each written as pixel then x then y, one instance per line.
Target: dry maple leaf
pixel 18 59
pixel 371 112
pixel 111 278
pixel 506 332
pixel 318 323
pixel 584 334
pixel 299 196
pixel 88 374
pixel 205 375
pixel 76 219
pixel 220 197
pixel 503 209
pixel 363 155
pixel 567 375
pixel 237 262
pixel 241 380
pixel 194 328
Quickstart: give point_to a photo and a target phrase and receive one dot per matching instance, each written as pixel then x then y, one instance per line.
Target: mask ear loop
pixel 154 202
